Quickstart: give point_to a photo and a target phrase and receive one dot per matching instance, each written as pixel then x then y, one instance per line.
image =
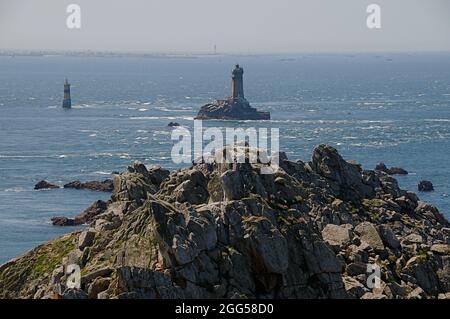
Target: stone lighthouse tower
pixel 67 102
pixel 237 82
pixel 234 107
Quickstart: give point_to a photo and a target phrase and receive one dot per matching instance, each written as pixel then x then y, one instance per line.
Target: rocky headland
pixel 218 230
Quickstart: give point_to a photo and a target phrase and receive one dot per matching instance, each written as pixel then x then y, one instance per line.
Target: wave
pixel 32 156
pixel 101 173
pixel 153 118
pixel 437 120
pixel 88 131
pixel 161 133
pixel 325 121
pixel 16 190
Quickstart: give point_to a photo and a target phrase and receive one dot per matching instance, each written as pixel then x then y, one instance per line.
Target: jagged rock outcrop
pixel 84 217
pixel 100 186
pixel 214 230
pixel 391 171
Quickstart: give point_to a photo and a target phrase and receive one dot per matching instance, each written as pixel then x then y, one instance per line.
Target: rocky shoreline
pixel 99 186
pixel 216 230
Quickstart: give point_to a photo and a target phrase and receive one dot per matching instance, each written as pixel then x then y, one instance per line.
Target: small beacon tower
pixel 67 102
pixel 237 82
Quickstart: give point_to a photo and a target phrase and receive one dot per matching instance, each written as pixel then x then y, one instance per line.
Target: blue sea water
pixel 391 108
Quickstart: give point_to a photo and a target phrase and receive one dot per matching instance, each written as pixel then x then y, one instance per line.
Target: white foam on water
pixel 437 120
pixel 15 190
pixel 101 173
pixel 152 118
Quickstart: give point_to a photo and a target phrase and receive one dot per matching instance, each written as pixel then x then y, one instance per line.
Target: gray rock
pixel 345 177
pixel 369 235
pixel 98 285
pixel 417 293
pixel 412 239
pixel 336 236
pixel 184 250
pixel 353 287
pixel 371 295
pixel 356 268
pixel 388 237
pixel 422 271
pixel 71 293
pixel 86 238
pixel 441 249
pixel 266 245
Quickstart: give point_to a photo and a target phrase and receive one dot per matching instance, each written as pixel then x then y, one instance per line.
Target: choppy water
pixel 372 108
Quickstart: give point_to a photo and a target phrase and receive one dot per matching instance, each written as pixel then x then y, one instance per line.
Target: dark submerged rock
pixel 425 186
pixel 45 185
pixel 64 221
pixel 391 171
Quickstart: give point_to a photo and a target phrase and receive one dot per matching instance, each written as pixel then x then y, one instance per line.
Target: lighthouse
pixel 237 82
pixel 234 107
pixel 67 102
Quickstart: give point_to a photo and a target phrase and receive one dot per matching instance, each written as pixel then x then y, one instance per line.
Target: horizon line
pixel 210 53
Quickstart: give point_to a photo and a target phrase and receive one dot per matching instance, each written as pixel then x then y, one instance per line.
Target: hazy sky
pixel 247 26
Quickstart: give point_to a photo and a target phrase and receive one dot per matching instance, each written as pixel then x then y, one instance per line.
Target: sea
pixel 393 108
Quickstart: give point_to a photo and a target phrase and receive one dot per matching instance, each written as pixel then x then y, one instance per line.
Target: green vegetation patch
pixel 47 260
pixel 16 275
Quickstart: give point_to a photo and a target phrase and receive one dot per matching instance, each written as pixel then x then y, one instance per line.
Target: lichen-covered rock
pixel 133 185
